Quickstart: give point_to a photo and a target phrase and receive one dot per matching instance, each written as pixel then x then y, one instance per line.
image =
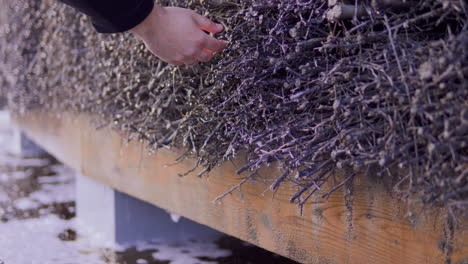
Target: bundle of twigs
pixel 314 86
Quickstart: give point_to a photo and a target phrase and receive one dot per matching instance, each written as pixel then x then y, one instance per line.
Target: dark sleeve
pixel 113 16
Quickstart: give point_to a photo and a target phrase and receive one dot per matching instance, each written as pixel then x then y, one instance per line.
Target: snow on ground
pixel 3 197
pixel 59 188
pixel 25 204
pixel 15 175
pixel 189 251
pixel 35 241
pixel 38 243
pixel 7 159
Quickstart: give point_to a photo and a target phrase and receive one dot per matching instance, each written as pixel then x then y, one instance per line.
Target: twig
pixel 342 12
pixel 279 180
pixel 339 185
pixel 234 187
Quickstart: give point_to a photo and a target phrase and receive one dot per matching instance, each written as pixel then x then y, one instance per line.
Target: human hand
pixel 176 35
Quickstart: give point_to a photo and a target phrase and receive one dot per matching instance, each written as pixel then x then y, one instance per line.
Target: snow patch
pixel 4 197
pixel 53 179
pixel 188 252
pixel 35 241
pixel 12 161
pixel 5 120
pixel 49 194
pixel 15 175
pixel 26 204
pixel 56 189
pixel 175 218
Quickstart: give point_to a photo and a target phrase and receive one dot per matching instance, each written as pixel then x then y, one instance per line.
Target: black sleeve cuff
pixel 123 22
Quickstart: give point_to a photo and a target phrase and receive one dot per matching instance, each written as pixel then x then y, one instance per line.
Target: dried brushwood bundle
pixel 313 86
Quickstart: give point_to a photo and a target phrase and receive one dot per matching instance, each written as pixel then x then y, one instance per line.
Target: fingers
pixel 207 44
pixel 213 44
pixel 206 47
pixel 185 61
pixel 201 47
pixel 172 61
pixel 207 25
pixel 176 63
pixel 205 55
pixel 190 61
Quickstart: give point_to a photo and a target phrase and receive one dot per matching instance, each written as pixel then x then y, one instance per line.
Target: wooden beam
pixel 367 226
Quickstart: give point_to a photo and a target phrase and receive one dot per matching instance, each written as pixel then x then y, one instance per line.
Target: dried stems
pixel 384 87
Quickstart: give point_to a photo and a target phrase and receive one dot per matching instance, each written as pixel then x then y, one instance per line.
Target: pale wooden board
pixel 377 229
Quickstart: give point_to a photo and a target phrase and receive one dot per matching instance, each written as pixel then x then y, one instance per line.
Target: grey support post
pixel 116 217
pixel 20 144
pixel 25 147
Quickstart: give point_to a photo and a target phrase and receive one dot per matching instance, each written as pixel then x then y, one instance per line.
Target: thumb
pixel 207 25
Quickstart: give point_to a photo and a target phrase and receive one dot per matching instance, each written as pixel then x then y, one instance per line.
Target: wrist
pixel 146 26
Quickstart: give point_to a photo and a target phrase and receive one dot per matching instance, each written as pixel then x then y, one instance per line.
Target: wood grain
pixel 366 226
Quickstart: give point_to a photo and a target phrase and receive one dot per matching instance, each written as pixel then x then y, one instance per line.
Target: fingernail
pixel 219 26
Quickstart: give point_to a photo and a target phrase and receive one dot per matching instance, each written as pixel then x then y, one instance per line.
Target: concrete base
pixel 115 217
pixel 25 147
pixel 18 143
